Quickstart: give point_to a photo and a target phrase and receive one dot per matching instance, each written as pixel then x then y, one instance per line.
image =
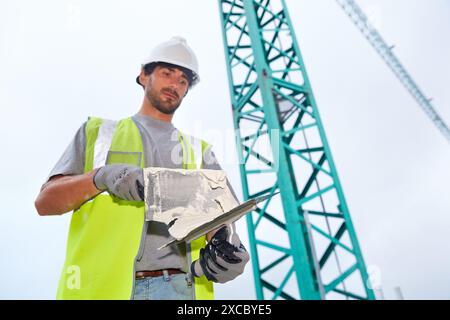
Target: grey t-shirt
pixel 162 149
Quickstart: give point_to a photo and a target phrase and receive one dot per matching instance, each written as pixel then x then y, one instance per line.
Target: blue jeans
pixel 166 287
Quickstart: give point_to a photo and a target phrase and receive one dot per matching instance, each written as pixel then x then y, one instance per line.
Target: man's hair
pixel 150 67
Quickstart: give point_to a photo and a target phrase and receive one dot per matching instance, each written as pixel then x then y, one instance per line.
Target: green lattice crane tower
pixel 302 240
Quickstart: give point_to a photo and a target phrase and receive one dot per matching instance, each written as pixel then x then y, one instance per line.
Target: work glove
pixel 223 258
pixel 123 181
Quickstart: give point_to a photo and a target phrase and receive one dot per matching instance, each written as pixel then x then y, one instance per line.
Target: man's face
pixel 165 88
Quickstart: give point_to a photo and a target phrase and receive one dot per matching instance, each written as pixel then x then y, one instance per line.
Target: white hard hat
pixel 177 52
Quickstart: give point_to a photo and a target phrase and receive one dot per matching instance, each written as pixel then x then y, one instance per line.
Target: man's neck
pixel 147 109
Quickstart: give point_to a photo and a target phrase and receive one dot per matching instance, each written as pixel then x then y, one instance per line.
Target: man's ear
pixel 141 77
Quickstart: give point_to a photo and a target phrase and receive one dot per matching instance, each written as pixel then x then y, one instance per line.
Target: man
pixel 111 249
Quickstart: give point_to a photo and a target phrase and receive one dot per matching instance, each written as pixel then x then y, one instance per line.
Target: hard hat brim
pixel 194 76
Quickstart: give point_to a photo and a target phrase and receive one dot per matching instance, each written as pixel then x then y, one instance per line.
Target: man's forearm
pixel 65 193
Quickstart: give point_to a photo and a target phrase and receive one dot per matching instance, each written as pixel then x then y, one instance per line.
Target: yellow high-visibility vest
pixel 106 232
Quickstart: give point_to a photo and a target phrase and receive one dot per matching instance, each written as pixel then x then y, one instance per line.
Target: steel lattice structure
pixel 302 240
pixel 361 21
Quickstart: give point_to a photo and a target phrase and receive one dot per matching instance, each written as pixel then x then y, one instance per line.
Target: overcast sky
pixel 62 61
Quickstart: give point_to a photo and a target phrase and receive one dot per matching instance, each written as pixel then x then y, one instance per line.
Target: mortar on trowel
pixel 186 199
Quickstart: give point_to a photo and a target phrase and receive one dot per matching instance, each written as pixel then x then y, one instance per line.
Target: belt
pixel 156 273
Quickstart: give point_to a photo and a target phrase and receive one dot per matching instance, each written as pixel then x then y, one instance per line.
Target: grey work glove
pixel 223 259
pixel 123 181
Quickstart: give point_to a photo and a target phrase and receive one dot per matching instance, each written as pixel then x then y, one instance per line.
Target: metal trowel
pixel 226 218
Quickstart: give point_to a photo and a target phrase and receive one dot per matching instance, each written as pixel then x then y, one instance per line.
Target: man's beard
pixel 165 107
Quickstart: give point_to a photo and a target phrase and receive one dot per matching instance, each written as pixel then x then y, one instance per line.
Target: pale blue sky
pixel 61 61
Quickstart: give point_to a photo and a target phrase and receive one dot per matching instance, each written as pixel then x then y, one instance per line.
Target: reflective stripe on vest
pixel 103 142
pixel 106 233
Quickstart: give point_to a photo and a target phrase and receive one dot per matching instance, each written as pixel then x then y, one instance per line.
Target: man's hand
pixel 223 258
pixel 123 181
